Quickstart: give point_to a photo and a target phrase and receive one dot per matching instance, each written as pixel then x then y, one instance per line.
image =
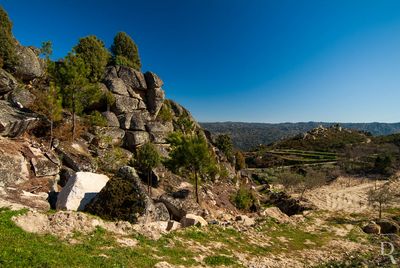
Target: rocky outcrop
pixel 28 65
pixel 80 190
pixel 7 82
pixel 14 122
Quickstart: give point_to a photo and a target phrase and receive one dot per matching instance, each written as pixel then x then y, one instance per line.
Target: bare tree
pixel 381 197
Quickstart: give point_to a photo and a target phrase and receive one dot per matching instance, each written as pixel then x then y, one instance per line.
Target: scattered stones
pixel 80 190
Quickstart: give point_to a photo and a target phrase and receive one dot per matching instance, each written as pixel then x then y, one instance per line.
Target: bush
pixel 125 51
pixel 224 143
pixel 240 161
pixel 113 159
pixel 7 42
pixel 243 199
pixel 120 199
pixel 97 119
pixel 95 55
pixel 165 114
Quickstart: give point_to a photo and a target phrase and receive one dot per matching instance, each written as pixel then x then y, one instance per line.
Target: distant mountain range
pixel 246 136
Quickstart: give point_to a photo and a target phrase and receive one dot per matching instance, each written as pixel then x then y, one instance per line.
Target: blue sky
pixel 237 60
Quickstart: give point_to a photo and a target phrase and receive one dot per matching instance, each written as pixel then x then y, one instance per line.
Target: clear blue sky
pixel 237 60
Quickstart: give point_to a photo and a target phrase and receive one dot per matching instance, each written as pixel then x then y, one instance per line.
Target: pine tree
pixel 49 103
pixel 7 42
pixel 125 51
pixel 94 54
pixel 77 91
pixel 147 159
pixel 190 153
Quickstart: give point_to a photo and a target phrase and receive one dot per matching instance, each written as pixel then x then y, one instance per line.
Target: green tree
pixel 94 54
pixel 240 161
pixel 46 50
pixel 7 43
pixel 224 143
pixel 125 51
pixel 190 153
pixel 147 159
pixel 77 91
pixel 49 103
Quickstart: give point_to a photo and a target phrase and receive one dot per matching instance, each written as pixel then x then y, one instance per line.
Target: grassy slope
pixel 216 246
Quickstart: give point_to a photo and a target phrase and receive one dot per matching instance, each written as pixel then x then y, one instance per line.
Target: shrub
pixel 113 159
pixel 120 199
pixel 7 42
pixel 243 199
pixel 165 114
pixel 95 55
pixel 97 119
pixel 125 51
pixel 224 143
pixel 240 161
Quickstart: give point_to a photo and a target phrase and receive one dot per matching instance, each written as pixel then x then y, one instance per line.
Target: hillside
pixel 246 136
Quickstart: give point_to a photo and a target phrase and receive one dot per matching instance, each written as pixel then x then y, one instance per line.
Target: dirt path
pixel 344 194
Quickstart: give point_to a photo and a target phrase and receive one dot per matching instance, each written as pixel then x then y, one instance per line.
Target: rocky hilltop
pixel 115 174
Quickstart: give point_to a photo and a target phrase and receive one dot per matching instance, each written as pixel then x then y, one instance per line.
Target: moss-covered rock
pixel 120 199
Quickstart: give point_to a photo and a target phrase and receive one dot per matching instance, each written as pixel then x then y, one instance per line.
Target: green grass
pixel 219 260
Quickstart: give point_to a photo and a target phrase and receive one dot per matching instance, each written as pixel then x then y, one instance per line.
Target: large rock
pixel 76 156
pixel 153 80
pixel 108 135
pixel 179 207
pixel 124 104
pixel 132 78
pixel 13 166
pixel 134 139
pixel 161 212
pixel 14 122
pixel 44 167
pixel 159 131
pixel 155 100
pixel 112 119
pixel 134 120
pixel 7 82
pixel 22 97
pixel 191 219
pixel 117 86
pixel 80 190
pixel 28 66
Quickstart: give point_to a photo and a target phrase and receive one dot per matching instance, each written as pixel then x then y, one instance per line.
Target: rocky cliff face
pixel 140 114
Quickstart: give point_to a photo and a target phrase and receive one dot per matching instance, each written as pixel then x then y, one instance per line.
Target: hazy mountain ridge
pixel 246 136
